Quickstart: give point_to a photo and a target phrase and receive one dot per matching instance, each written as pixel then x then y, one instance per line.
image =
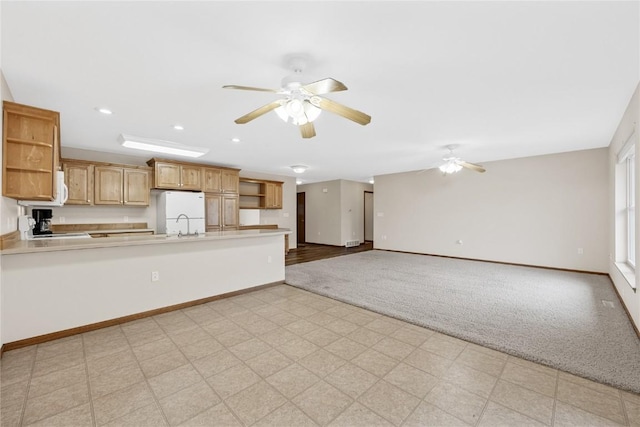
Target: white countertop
pixel 36 246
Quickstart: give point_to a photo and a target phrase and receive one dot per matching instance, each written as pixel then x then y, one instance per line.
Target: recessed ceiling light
pixel 235 139
pixel 178 127
pixel 104 110
pixel 298 182
pixel 371 181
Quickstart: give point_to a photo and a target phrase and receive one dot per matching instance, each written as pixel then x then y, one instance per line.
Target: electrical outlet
pixel 269 259
pixel 126 218
pixel 580 251
pixel 285 214
pixel 155 276
pixel 61 219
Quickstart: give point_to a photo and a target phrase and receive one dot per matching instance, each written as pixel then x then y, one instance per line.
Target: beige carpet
pixel 551 317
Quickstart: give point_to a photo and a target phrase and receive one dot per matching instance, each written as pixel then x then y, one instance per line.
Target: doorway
pixel 300 214
pixel 368 216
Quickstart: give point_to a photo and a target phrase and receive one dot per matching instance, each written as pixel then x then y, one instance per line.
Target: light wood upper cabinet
pixel 277 203
pixel 221 180
pixel 270 195
pixel 191 177
pixel 31 152
pixel 260 194
pixel 167 175
pixel 109 188
pixel 212 180
pixel 176 176
pixel 136 187
pixel 230 181
pixel 121 186
pixel 79 180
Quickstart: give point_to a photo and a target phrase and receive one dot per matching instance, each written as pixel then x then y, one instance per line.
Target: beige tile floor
pixel 285 357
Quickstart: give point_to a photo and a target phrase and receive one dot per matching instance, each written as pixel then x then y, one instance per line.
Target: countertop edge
pixel 30 246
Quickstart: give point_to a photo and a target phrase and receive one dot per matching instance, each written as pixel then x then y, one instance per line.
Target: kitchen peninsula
pixel 59 287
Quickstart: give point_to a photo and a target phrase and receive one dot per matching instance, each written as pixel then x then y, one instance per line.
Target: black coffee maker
pixel 42 218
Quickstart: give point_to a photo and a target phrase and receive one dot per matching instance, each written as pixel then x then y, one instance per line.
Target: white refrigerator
pixel 180 212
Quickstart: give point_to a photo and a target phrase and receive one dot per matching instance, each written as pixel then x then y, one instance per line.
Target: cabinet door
pixel 108 185
pixel 191 178
pixel 136 187
pixel 230 212
pixel 277 204
pixel 79 180
pixel 167 175
pixel 31 147
pixel 213 212
pixel 270 195
pixel 212 180
pixel 230 181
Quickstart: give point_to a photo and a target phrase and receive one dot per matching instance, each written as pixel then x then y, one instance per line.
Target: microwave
pixel 61 196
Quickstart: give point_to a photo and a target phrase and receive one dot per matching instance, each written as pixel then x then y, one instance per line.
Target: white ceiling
pixel 501 79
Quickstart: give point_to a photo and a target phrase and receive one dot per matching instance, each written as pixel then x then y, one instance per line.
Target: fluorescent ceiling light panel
pixel 159 146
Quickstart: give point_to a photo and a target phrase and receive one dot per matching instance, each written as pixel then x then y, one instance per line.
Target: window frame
pixel 630 208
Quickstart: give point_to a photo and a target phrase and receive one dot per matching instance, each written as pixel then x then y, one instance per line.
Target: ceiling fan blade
pixel 308 130
pixel 344 111
pixel 471 166
pixel 324 86
pixel 257 113
pixel 259 89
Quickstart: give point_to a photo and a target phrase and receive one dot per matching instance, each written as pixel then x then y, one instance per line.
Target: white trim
pixel 628 273
pixel 627 147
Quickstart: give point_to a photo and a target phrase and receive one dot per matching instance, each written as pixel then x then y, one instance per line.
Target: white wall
pixel 536 210
pixel 352 209
pixel 322 212
pixel 336 215
pixel 629 121
pixel 285 217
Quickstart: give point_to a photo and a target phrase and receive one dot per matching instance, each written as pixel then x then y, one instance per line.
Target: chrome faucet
pixel 178 219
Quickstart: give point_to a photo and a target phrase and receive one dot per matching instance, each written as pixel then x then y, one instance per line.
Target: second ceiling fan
pixel 302 103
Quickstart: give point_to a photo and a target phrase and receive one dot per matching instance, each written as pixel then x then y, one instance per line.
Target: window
pixel 625 209
pixel 631 209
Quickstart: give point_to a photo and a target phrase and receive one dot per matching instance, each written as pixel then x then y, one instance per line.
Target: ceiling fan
pixel 302 103
pixel 453 164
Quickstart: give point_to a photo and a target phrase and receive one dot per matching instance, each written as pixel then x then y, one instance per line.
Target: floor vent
pixel 352 243
pixel 607 303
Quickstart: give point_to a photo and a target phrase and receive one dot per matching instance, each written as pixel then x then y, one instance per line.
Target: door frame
pixel 301 231
pixel 364 210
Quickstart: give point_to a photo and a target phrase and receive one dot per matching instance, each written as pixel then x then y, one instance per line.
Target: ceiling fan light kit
pixel 454 164
pixel 299 168
pixel 302 103
pixel 450 167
